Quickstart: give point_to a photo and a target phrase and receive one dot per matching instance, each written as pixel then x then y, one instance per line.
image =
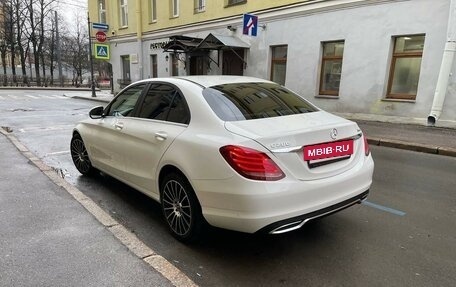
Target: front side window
pixel 102 11
pixel 247 101
pixel 279 64
pixel 165 103
pixel 124 104
pixel 405 67
pixel 200 6
pixel 123 13
pixel 331 68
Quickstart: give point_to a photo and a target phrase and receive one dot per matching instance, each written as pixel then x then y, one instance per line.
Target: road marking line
pixel 384 208
pixel 57 153
pixel 126 237
pixel 44 129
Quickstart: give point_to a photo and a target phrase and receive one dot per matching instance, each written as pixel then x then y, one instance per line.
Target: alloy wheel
pixel 80 156
pixel 177 207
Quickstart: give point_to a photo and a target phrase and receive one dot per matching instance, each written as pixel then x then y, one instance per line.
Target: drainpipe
pixel 139 37
pixel 445 68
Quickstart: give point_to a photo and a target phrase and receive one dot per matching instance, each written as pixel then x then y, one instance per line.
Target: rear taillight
pixel 251 163
pixel 366 146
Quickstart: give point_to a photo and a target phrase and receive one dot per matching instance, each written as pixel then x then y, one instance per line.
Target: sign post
pixel 91 58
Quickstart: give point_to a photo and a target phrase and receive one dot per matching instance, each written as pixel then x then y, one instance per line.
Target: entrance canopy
pixel 181 44
pixel 220 42
pixel 185 47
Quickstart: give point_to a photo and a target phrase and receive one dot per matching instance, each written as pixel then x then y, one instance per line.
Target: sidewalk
pixel 47 238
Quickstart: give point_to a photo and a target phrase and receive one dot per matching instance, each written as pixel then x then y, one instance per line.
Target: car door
pixel 161 117
pixel 108 144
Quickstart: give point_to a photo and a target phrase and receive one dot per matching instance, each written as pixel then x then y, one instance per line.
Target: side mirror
pixel 96 113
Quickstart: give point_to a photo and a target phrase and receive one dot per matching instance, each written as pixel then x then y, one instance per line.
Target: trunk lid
pixel 286 136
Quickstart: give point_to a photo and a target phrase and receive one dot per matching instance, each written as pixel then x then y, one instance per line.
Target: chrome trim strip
pixel 288 149
pixel 297 148
pixel 280 229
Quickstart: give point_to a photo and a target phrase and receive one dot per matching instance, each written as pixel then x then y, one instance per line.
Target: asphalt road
pixel 404 235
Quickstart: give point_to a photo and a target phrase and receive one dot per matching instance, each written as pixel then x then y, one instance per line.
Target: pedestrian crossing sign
pixel 102 51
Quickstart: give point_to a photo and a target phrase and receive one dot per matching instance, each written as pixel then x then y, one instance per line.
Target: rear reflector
pixel 251 163
pixel 366 146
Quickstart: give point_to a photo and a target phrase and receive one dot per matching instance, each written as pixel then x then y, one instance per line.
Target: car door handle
pixel 119 126
pixel 161 136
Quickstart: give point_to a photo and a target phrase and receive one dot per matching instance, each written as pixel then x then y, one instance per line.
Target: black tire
pixel 181 208
pixel 80 156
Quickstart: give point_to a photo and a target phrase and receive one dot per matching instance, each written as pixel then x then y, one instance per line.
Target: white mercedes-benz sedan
pixel 238 153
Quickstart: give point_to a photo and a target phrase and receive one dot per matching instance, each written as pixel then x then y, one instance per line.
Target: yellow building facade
pixel 145 17
pixel 348 56
pixel 136 26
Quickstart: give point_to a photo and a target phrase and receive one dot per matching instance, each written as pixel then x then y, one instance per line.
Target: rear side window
pixel 246 101
pixel 164 102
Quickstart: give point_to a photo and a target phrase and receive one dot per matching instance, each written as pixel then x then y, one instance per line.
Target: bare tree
pixel 22 42
pixel 37 11
pixel 6 36
pixel 27 31
pixel 75 47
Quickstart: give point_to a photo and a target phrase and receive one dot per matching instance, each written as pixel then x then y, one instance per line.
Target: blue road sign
pixel 100 26
pixel 250 26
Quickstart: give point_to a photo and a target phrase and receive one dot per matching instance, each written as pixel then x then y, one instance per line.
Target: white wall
pixel 367 30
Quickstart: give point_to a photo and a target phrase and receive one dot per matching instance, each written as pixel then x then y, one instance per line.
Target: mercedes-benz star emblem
pixel 333 134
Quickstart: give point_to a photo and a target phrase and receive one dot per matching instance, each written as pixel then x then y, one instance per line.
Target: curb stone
pixel 412 146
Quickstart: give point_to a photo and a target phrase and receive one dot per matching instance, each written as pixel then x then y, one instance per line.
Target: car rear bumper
pixel 281 206
pixel 297 222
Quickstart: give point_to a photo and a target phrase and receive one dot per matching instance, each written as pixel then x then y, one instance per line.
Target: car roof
pixel 209 81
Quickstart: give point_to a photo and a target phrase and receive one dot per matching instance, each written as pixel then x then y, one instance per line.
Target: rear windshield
pixel 247 101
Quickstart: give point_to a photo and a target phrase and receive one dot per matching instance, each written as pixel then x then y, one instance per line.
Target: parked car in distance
pixel 236 152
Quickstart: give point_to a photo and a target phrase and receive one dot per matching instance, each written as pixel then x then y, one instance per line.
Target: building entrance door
pixel 198 65
pixel 232 63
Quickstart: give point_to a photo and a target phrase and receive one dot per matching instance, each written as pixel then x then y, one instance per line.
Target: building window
pixel 235 2
pixel 200 6
pixel 153 66
pixel 279 64
pixel 331 68
pixel 405 67
pixel 123 13
pixel 153 10
pixel 102 11
pixel 175 8
pixel 125 67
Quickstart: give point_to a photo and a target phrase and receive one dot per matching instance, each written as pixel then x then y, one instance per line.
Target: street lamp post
pixel 90 57
pixel 57 41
